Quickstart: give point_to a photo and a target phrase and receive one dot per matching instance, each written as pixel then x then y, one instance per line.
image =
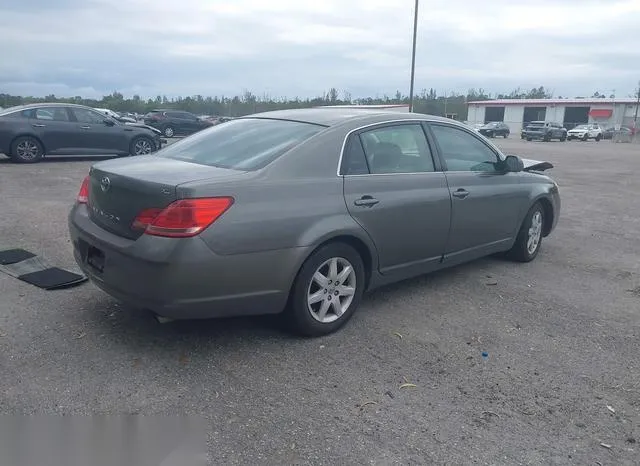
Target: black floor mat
pixel 52 278
pixel 34 270
pixel 11 256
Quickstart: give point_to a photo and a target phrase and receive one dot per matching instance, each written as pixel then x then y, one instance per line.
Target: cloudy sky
pixel 298 47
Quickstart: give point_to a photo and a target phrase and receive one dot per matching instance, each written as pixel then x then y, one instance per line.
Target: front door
pixel 486 201
pixel 396 192
pixel 97 137
pixel 54 128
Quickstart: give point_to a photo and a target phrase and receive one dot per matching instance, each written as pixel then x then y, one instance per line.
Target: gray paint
pixel 247 260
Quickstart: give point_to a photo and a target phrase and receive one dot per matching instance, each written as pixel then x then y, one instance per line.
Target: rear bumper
pixel 183 278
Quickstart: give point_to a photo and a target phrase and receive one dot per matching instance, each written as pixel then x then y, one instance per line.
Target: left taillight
pixel 183 218
pixel 83 194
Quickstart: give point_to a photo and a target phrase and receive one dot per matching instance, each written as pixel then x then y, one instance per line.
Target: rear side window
pixel 243 144
pixel 51 114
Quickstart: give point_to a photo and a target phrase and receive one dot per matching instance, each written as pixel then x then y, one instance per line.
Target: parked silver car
pixel 303 211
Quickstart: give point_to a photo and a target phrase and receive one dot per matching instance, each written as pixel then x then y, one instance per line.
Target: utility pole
pixel 413 55
pixel 635 117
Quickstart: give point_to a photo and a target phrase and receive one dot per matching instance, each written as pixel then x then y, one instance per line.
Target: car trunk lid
pixel 120 189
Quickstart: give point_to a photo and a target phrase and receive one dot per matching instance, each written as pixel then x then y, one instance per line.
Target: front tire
pixel 327 290
pixel 26 149
pixel 141 145
pixel 529 238
pixel 598 137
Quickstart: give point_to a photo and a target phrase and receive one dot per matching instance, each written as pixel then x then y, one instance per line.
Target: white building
pixel 569 112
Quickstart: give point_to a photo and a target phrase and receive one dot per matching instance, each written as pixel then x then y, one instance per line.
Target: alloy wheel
pixel 535 232
pixel 331 290
pixel 142 147
pixel 27 150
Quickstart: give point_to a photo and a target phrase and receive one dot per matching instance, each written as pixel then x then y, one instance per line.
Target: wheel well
pixel 360 247
pixel 548 216
pixel 44 149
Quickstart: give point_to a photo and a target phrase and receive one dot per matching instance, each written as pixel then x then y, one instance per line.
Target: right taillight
pixel 182 218
pixel 83 194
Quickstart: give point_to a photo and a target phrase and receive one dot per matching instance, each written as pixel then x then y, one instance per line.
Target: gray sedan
pixel 302 211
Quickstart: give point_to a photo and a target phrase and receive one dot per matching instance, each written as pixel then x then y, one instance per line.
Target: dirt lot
pixel 561 379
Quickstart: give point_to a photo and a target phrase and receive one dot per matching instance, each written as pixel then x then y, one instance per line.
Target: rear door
pixel 54 128
pixel 191 122
pixel 486 201
pixel 97 137
pixel 396 191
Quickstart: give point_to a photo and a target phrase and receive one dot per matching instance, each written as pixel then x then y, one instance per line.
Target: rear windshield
pixel 243 144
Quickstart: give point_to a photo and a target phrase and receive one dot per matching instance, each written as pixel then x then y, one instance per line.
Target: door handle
pixel 366 201
pixel 85 127
pixel 36 125
pixel 461 193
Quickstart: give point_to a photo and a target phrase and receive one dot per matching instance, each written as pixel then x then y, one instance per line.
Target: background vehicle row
pixel 29 132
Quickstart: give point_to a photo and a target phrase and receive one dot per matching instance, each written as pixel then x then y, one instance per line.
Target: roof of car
pixel 335 116
pixel 46 104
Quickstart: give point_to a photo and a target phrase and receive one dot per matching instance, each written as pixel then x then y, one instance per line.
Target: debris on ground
pixel 408 385
pixel 366 403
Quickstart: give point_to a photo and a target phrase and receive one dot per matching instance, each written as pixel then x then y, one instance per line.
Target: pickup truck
pixel 544 130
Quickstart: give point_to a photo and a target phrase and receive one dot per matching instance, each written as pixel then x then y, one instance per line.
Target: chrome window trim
pixel 412 120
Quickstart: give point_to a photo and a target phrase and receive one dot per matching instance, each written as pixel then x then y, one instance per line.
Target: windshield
pixel 581 127
pixel 243 144
pixel 491 125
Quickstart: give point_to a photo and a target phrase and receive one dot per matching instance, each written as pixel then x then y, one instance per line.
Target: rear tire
pixel 169 132
pixel 506 135
pixel 529 238
pixel 324 296
pixel 26 149
pixel 598 137
pixel 563 138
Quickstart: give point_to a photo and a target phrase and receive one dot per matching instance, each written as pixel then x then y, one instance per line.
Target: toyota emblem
pixel 105 183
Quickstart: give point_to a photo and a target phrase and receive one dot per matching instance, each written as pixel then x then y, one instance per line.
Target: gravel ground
pixel 562 334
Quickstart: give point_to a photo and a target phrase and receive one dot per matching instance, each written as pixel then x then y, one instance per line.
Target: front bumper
pixel 533 135
pixel 183 278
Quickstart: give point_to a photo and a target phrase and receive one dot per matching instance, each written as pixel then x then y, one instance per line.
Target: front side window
pixel 397 149
pixel 84 115
pixel 242 144
pixel 463 151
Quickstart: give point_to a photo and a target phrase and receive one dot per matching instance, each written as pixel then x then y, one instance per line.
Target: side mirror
pixel 109 122
pixel 513 163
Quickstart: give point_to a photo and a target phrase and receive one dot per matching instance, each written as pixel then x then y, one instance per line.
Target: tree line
pixel 425 101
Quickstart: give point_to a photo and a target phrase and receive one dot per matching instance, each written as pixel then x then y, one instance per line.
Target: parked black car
pixel 29 132
pixel 175 122
pixel 495 128
pixel 544 130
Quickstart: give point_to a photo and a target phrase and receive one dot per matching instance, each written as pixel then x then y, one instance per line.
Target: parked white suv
pixel 585 132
